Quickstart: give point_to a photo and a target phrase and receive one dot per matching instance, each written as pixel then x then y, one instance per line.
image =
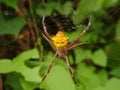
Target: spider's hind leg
pixel 69 68
pixel 76 45
pixel 50 66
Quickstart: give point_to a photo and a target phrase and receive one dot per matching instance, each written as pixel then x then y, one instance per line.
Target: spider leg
pixel 50 66
pixel 69 68
pixel 45 29
pixel 47 39
pixel 75 45
pixel 80 35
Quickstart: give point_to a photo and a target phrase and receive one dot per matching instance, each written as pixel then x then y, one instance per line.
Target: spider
pixel 62 46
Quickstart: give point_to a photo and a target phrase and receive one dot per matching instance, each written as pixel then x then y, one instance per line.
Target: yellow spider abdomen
pixel 60 41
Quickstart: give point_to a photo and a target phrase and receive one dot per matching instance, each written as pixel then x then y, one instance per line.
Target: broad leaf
pixel 103 76
pixel 87 77
pixel 108 3
pixel 118 30
pixel 100 58
pixel 67 8
pixel 10 3
pixel 116 71
pixel 5 66
pixel 12 26
pixel 58 79
pixel 112 84
pixel 13 80
pixel 18 65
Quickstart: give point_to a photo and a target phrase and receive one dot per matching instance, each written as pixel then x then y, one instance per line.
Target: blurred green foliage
pixel 11 26
pixel 96 66
pixel 12 4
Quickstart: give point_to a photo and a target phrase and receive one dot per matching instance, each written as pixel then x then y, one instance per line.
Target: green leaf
pixel 118 30
pixel 99 88
pixel 86 38
pixel 82 54
pixel 58 79
pixel 85 8
pixel 108 3
pixel 13 80
pixel 103 76
pixel 5 66
pixel 27 85
pixel 30 54
pixel 116 71
pixel 77 18
pixel 40 11
pixel 100 58
pixel 97 25
pixel 80 87
pixel 114 55
pixel 18 65
pixel 67 8
pixel 113 84
pixel 50 7
pixel 11 3
pixel 90 6
pixel 87 76
pixel 79 54
pixel 12 26
pixel 31 75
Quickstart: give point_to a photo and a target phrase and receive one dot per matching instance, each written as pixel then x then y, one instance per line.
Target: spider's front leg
pixel 79 36
pixel 46 35
pixel 45 29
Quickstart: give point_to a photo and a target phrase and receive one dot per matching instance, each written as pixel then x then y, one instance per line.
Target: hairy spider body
pixel 60 41
pixel 62 45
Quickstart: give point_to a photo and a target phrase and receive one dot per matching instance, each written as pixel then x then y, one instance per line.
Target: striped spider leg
pixel 60 42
